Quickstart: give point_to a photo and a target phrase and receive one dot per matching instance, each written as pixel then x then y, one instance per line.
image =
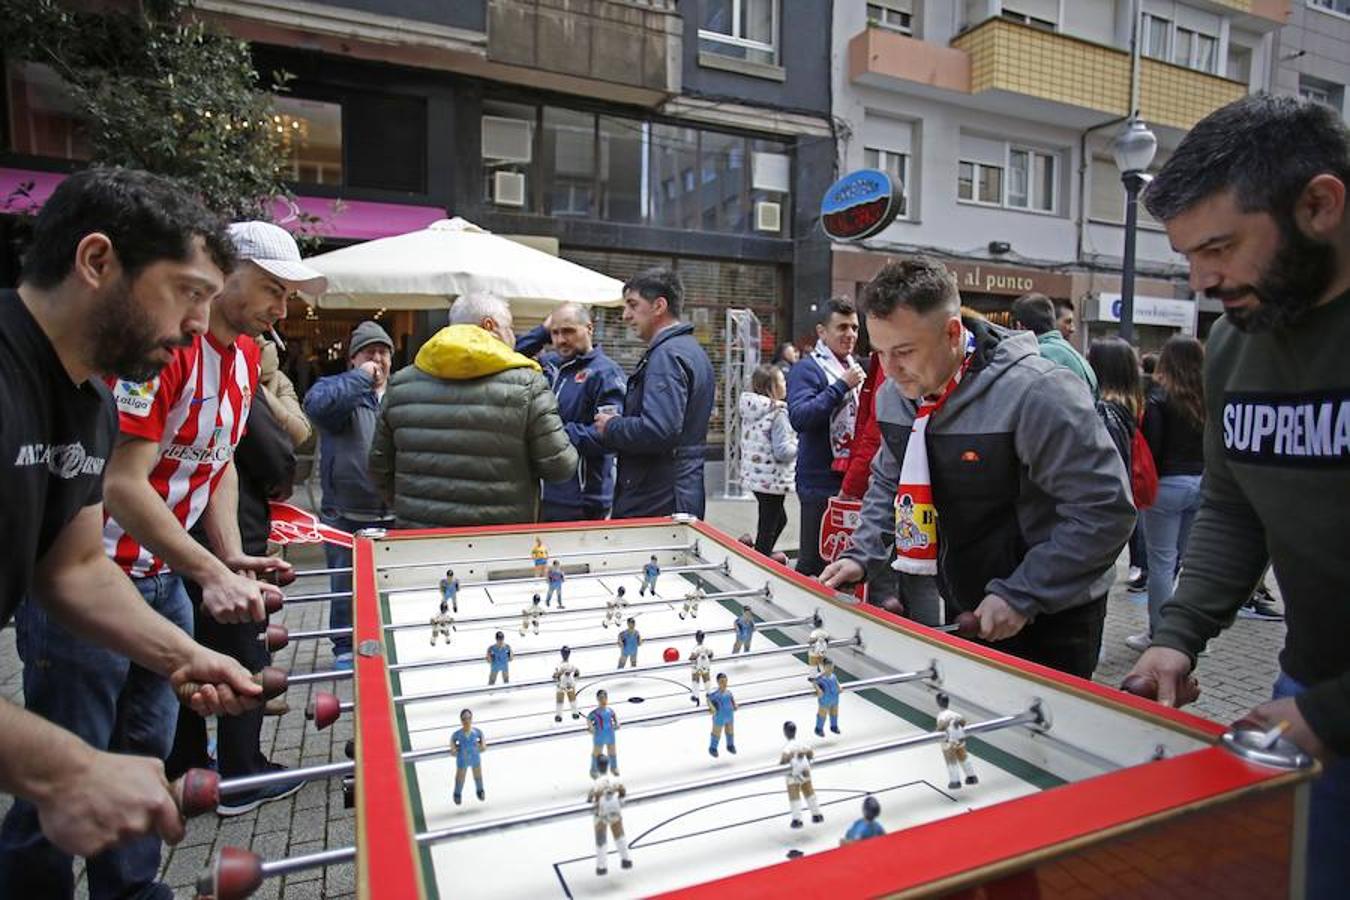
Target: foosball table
pixel 1048 786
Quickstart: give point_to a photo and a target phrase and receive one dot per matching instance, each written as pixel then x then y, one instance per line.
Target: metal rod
pixel 500 582
pixel 511 617
pixel 608 551
pixel 286 776
pixel 343 675
pixel 424 696
pixel 435 836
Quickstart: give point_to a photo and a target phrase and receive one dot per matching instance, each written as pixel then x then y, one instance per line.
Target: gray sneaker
pixel 1261 606
pixel 1139 642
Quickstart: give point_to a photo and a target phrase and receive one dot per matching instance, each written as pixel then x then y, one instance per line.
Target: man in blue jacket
pixel 661 436
pixel 822 402
pixel 585 381
pixel 345 408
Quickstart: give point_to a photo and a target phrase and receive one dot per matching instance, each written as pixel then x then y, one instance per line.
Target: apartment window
pixel 310 132
pixel 979 183
pixel 892 15
pixel 1031 180
pixel 742 29
pixel 1194 50
pixel 567 162
pixel 1240 63
pixel 1107 202
pixel 43 119
pixel 1156 35
pixel 1013 15
pixel 672 184
pixel 1340 6
pixel 620 169
pixel 895 165
pixel 1319 91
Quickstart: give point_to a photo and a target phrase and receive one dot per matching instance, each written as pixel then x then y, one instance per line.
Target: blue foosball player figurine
pixel 867 826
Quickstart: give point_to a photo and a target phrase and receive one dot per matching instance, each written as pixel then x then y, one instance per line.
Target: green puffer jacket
pixel 466 433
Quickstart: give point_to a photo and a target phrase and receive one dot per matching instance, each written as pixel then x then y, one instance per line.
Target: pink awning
pixel 357 219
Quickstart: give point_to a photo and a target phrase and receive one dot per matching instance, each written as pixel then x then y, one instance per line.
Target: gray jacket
pixel 1032 499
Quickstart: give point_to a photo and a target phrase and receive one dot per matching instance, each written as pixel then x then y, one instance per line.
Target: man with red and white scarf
pixel 994 474
pixel 822 401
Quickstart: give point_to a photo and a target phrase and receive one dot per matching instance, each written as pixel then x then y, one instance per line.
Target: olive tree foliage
pixel 159 90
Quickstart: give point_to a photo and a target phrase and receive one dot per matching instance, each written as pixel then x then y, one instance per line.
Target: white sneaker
pixel 1139 642
pixel 1134 574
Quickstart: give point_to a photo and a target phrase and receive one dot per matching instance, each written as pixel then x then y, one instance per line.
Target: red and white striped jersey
pixel 195 410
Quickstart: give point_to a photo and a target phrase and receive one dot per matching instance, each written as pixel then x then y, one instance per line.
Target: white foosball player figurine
pixel 615 607
pixel 953 726
pixel 565 678
pixel 606 796
pixel 819 641
pixel 797 757
pixel 691 601
pixel 442 624
pixel 529 616
pixel 700 664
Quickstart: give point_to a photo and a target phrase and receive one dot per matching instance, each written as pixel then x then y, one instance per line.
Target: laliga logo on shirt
pixel 135 399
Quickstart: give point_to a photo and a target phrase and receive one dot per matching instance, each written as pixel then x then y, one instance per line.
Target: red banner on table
pixel 293 525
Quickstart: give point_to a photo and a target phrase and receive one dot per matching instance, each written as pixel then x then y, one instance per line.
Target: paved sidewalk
pixel 1236 674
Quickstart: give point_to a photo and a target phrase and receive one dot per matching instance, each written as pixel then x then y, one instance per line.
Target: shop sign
pixel 859 205
pixel 1165 311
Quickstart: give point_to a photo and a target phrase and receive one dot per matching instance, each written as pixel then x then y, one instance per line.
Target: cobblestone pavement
pixel 1236 674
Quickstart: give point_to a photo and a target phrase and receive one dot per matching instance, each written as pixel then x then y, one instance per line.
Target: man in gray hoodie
pixel 345 408
pixel 1032 501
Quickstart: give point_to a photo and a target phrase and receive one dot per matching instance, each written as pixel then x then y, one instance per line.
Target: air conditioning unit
pixel 508 188
pixel 769 216
pixel 505 139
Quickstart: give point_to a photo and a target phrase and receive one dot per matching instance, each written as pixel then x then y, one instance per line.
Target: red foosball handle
pixel 280 577
pixel 968 625
pixel 272 680
pixel 272 603
pixel 1146 686
pixel 323 709
pixel 197 792
pixel 235 873
pixel 276 637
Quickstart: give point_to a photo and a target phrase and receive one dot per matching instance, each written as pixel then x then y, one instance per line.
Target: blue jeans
pixel 1328 819
pixel 340 608
pixel 1167 527
pixel 112 704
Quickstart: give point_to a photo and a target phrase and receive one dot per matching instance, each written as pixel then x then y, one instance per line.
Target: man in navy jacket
pixel 822 402
pixel 661 436
pixel 585 381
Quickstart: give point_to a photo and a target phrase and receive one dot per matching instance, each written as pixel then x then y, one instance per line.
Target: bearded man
pixel 1255 198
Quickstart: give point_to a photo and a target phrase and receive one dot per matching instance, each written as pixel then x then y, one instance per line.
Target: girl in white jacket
pixel 768 451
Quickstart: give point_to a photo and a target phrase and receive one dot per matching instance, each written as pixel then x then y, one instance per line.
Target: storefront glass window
pixel 623 169
pixel 43 120
pixel 310 132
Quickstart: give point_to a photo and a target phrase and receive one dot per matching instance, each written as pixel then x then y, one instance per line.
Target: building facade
pixel 617 133
pixel 997 117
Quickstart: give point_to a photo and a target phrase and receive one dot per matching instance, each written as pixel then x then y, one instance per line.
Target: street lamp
pixel 1133 149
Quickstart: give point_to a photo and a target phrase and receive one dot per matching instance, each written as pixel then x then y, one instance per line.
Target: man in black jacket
pixel 661 435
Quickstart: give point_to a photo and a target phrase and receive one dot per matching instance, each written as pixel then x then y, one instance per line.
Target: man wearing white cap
pixel 172 466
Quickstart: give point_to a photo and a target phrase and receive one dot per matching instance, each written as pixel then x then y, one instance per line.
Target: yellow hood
pixel 463 352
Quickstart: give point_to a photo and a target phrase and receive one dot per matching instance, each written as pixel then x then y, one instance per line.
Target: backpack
pixel 1143 472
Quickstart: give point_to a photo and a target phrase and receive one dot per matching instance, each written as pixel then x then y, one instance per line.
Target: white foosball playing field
pixel 1072 777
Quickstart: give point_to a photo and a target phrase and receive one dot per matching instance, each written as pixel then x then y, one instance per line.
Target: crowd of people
pixel 145 423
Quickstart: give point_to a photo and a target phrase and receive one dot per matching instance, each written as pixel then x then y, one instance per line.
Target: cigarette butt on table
pixel 1270 737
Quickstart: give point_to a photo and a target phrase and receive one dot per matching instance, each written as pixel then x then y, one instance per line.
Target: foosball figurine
pixel 468 745
pixel 629 640
pixel 450 589
pixel 565 677
pixel 607 795
pixel 722 706
pixel 745 629
pixel 555 583
pixel 499 660
pixel 529 616
pixel 691 601
pixel 827 697
pixel 867 826
pixel 700 664
pixel 953 726
pixel 797 757
pixel 650 572
pixel 819 639
pixel 540 556
pixel 442 624
pixel 614 608
pixel 602 722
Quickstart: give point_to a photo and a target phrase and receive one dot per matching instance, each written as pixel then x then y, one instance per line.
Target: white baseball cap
pixel 273 249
